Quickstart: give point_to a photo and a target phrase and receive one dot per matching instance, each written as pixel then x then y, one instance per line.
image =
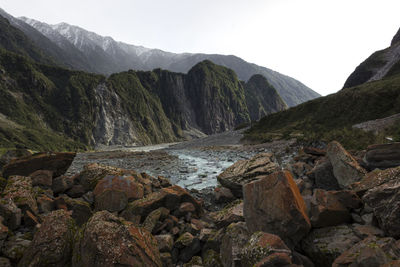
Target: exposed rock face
pixel 262 98
pixel 345 167
pixel 108 240
pixel 372 251
pixel 56 162
pixel 324 245
pixel 274 205
pixel 52 244
pixel 383 156
pixel 245 171
pixel 385 201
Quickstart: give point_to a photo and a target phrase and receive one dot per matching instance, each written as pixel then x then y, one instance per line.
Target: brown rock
pixel 154 217
pixel 13 154
pixel 234 239
pixel 385 202
pixel 282 213
pixel 345 168
pixel 300 168
pixel 329 208
pixel 4 262
pixel 52 244
pixel 3 234
pixel 323 176
pixel 275 259
pixel 30 220
pixel 165 242
pixel 61 184
pixel 15 247
pixel 375 179
pixel 108 240
pixel 223 195
pixel 324 245
pixel 19 189
pixel 45 204
pixel 42 178
pixel 230 214
pixel 382 156
pixel 188 246
pixel 314 151
pixel 56 162
pixel 371 252
pixel 186 207
pixel 111 200
pixel 127 184
pixel 76 191
pixel 81 211
pixel 245 171
pixel 11 213
pixel 364 231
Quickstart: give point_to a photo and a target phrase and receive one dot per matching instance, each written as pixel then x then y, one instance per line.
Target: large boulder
pixel 274 205
pixel 382 156
pixel 323 176
pixel 245 171
pixel 52 243
pixel 324 245
pixel 169 197
pixel 108 240
pixel 345 168
pixel 329 208
pixel 58 163
pixel 127 184
pixel 12 155
pixel 81 211
pixel 385 202
pixel 19 189
pixel 372 252
pixel 376 178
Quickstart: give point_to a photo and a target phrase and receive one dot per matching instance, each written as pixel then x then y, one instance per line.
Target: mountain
pixel 106 56
pixel 380 64
pixel 332 117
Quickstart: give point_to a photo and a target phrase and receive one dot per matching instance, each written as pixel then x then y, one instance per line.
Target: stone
pixel 245 171
pixel 3 234
pixel 52 243
pixel 261 246
pixel 374 179
pixel 214 239
pixel 10 213
pixel 45 204
pixel 329 208
pixel 211 259
pixel 58 163
pixel 283 212
pixel 61 184
pixel 323 176
pixel 4 262
pixel 364 231
pixel 111 200
pixel 314 151
pixel 13 154
pixel 345 168
pixel 108 240
pixel 223 195
pixel 169 197
pixel 19 189
pixel 385 202
pixel 196 261
pixel 382 156
pixel 233 241
pixel 76 191
pixel 300 168
pixel 127 184
pixel 166 259
pixel 186 207
pixel 42 178
pixel 324 245
pixel 165 242
pixel 393 263
pixel 15 247
pixel 81 211
pixel 230 214
pixel 30 220
pixel 154 217
pixel 372 251
pixel 188 246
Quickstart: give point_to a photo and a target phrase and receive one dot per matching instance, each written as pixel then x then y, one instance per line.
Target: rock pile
pixel 325 210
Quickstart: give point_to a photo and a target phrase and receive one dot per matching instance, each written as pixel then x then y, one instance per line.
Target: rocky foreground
pixel 327 208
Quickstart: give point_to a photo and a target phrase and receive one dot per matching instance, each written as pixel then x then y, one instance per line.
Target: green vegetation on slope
pixel 331 117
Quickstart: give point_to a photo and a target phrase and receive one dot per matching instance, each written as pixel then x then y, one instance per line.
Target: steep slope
pixel 262 98
pixel 108 56
pixel 378 65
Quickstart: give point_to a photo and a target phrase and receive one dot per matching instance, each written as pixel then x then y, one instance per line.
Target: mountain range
pixel 77 48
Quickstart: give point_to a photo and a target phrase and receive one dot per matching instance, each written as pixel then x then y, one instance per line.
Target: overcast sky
pixel 319 42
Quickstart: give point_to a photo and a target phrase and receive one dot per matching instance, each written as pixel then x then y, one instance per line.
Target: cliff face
pixel 262 98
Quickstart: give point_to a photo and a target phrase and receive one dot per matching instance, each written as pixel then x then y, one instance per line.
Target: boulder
pixel 4 262
pixel 314 151
pixel 223 195
pixel 235 238
pixel 245 171
pixel 345 168
pixel 127 184
pixel 19 189
pixel 13 155
pixel 329 208
pixel 374 179
pixel 58 163
pixel 324 245
pixel 372 252
pixel 169 197
pixel 15 246
pixel 81 211
pixel 42 178
pixel 230 214
pixel 300 168
pixel 274 205
pixel 154 217
pixel 188 246
pixel 62 184
pixel 111 200
pixel 165 242
pixel 211 259
pixel 323 176
pixel 108 240
pixel 385 202
pixel 3 234
pixel 382 156
pixel 10 213
pixel 52 243
pixel 261 246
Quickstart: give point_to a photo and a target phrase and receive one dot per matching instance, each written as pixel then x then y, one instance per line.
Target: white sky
pixel 319 42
